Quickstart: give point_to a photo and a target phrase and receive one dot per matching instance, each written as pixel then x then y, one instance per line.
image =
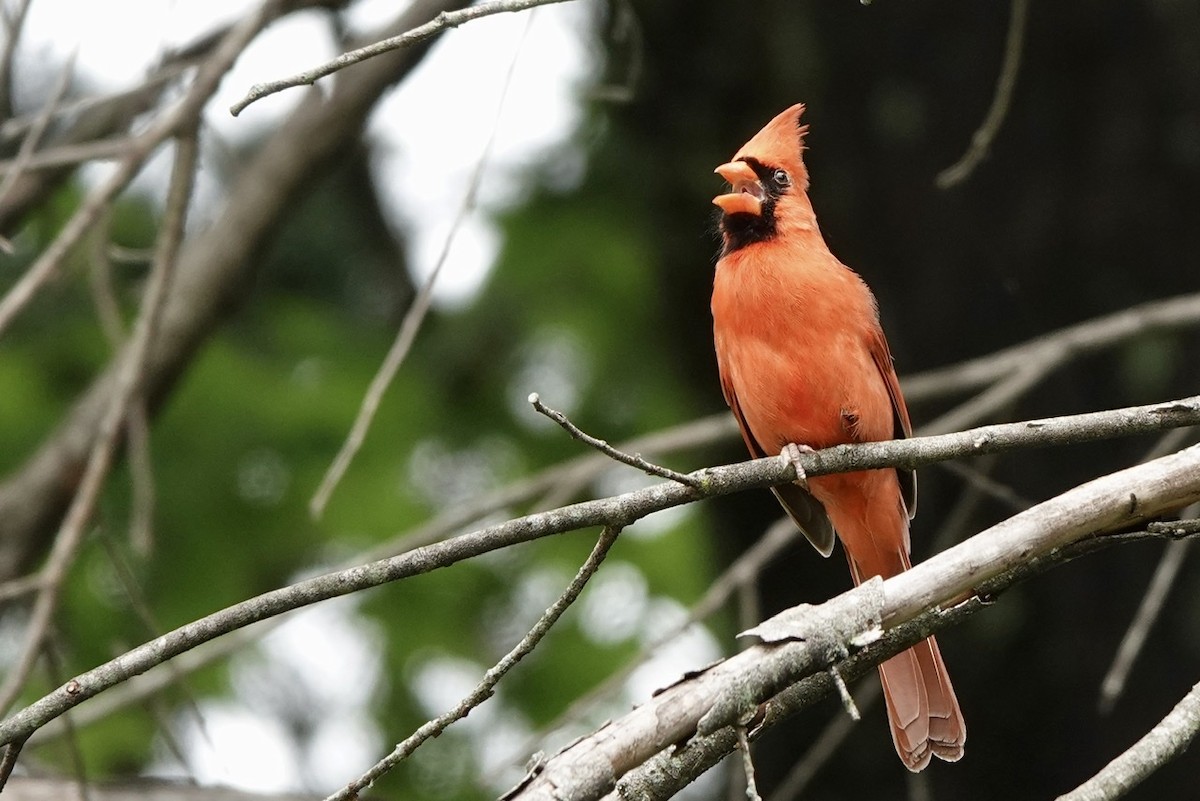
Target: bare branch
pixel 741 574
pixel 633 460
pixel 981 142
pixel 444 20
pixel 34 135
pixel 621 510
pixel 127 387
pixel 743 743
pixel 185 114
pixel 490 679
pixel 14 24
pixel 413 318
pixel 214 266
pixel 71 155
pixel 703 709
pixel 1056 347
pixel 1161 744
pixel 677 438
pixel 1147 613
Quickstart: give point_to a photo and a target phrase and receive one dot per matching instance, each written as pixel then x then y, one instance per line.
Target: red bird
pixel 804 365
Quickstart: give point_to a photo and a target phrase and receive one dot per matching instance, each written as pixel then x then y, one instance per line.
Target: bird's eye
pixel 782 179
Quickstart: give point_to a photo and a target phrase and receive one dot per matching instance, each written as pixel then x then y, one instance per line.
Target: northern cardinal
pixel 804 365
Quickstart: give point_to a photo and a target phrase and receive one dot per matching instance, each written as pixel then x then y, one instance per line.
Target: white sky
pixel 428 134
pixel 426 147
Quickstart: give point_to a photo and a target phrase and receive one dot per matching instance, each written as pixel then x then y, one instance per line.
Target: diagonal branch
pixel 1164 742
pixel 981 142
pixel 422 33
pixel 633 460
pixel 1056 347
pixel 484 690
pixel 415 315
pixel 214 265
pixel 622 510
pixel 805 640
pixel 184 115
pixel 126 388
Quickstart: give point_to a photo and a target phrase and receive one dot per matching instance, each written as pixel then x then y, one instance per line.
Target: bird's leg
pixel 790 453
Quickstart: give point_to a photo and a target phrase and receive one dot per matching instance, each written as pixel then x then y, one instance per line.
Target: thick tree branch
pixel 805 640
pixel 624 509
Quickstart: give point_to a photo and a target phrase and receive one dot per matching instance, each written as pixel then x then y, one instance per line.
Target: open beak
pixel 747 193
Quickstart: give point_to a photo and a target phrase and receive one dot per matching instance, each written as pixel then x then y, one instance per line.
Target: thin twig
pixel 747 764
pixel 487 686
pixel 633 460
pixel 444 20
pixel 844 693
pixel 825 746
pixel 742 573
pixel 137 426
pixel 1158 746
pixel 981 142
pixel 415 315
pixel 1147 613
pixel 12 751
pixel 70 535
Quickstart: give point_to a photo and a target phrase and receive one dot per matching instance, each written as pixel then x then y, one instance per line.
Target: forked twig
pixel 633 460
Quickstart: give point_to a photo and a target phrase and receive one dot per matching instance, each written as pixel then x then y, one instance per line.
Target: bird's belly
pixel 817 393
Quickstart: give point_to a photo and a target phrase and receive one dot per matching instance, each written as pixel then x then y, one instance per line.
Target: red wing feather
pixel 902 429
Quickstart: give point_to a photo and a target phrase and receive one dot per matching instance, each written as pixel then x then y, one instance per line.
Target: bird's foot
pixel 791 455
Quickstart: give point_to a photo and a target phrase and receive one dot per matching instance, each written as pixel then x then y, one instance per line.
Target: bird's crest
pixel 780 144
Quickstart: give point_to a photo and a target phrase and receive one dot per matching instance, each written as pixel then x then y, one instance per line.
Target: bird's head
pixel 767 180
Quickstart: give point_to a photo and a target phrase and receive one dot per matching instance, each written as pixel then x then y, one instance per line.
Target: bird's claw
pixel 790 454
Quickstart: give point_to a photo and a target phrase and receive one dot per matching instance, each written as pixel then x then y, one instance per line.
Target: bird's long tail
pixel 921 706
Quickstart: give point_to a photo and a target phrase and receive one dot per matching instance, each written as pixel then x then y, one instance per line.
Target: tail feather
pixel 922 709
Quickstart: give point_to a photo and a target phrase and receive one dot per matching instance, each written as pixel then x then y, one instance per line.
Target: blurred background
pixel 583 273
